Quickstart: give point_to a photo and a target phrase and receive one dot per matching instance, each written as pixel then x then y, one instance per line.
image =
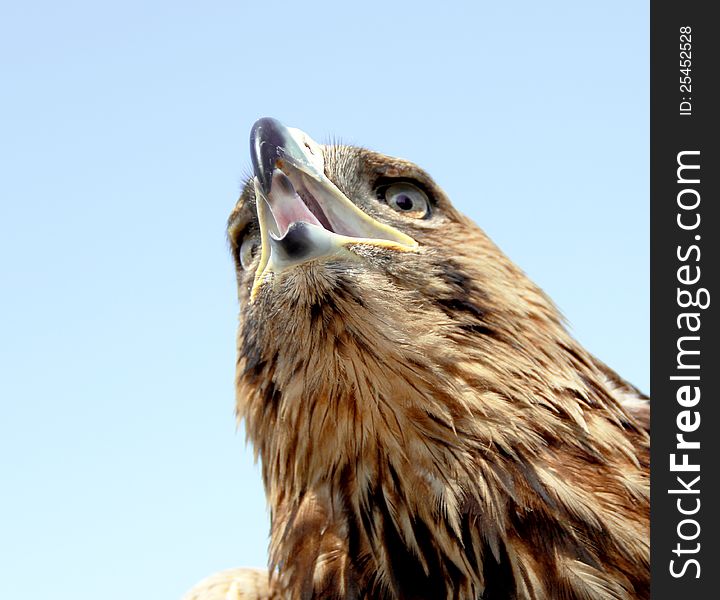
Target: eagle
pixel 426 425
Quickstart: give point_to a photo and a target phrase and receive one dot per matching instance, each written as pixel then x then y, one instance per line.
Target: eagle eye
pixel 406 198
pixel 247 251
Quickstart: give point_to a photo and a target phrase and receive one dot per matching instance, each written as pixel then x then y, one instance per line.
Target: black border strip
pixel 680 253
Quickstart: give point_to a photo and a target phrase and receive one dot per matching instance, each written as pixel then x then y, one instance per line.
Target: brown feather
pixel 427 427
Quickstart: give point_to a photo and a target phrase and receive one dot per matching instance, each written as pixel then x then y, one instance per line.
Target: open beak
pixel 302 214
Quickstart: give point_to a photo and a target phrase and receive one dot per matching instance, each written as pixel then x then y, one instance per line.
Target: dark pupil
pixel 404 202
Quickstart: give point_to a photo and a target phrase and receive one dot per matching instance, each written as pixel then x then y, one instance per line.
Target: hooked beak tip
pixel 268 137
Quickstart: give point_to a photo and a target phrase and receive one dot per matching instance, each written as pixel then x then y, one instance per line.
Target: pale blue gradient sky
pixel 123 145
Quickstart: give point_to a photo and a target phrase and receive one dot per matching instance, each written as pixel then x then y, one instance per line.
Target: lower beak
pixel 302 214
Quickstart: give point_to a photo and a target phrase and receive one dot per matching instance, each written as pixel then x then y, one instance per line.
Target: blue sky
pixel 123 146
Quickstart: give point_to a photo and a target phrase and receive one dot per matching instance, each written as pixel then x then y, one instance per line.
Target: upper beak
pixel 301 213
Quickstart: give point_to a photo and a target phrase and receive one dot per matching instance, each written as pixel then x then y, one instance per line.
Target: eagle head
pixel 426 425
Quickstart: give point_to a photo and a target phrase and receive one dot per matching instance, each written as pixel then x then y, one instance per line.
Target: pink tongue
pixel 286 206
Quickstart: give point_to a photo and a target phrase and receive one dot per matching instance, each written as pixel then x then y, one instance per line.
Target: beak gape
pixel 302 214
